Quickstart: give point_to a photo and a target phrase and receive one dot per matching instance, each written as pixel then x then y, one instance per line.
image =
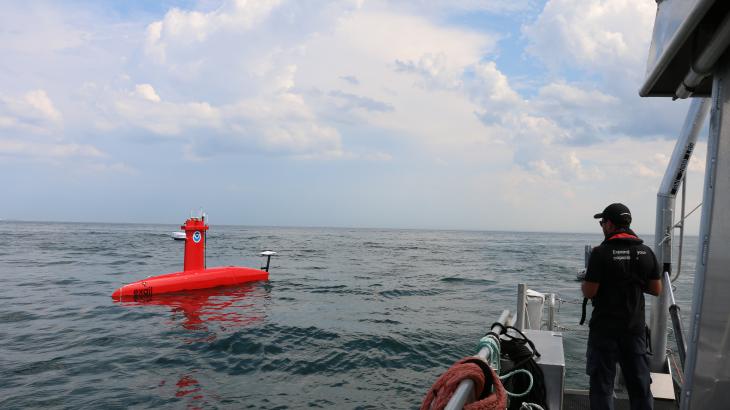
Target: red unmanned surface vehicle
pixel 195 275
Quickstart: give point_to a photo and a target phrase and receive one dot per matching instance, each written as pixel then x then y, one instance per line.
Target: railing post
pixel 521 302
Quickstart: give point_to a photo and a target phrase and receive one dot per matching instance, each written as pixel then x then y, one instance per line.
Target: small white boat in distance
pixel 178 236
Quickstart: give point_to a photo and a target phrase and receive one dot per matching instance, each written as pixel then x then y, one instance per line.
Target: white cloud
pixel 491 87
pixel 111 168
pixel 147 92
pixel 408 66
pixel 52 30
pixel 33 112
pixel 165 118
pixel 358 81
pixel 571 96
pixel 441 7
pixel 181 29
pixel 253 85
pixel 39 100
pixel 229 79
pixel 20 148
pixel 696 164
pixel 594 34
pixel 279 122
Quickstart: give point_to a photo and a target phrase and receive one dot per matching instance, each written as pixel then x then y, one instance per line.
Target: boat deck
pixel 578 400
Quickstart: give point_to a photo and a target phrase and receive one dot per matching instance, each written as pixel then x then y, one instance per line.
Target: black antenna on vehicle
pixel 268 255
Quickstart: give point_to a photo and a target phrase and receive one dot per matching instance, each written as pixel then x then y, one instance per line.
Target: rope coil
pixel 526 377
pixel 512 373
pixel 484 377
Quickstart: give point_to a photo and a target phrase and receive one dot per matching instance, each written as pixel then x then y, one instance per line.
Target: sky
pixel 462 114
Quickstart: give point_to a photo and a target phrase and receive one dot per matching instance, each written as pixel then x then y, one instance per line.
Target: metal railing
pixel 465 392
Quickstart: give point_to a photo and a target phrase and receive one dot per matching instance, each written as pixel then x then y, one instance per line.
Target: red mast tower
pixel 195 229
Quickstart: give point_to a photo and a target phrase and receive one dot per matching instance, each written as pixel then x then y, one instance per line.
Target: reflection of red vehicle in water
pixel 228 307
pixel 187 385
pixel 195 275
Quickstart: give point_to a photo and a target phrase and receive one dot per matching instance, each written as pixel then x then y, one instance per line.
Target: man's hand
pixel 654 287
pixel 590 288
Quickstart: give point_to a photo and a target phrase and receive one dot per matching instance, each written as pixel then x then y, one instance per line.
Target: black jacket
pixel 623 266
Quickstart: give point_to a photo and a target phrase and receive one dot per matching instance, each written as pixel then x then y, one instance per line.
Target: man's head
pixel 615 216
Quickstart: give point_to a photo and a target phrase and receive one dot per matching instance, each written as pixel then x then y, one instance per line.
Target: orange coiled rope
pixel 484 378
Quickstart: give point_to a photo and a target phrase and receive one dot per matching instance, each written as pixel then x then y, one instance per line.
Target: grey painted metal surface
pixel 703 65
pixel 663 233
pixel 669 17
pixel 671 53
pixel 551 362
pixel 693 122
pixel 707 369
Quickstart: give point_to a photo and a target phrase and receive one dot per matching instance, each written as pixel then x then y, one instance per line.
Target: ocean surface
pixel 350 318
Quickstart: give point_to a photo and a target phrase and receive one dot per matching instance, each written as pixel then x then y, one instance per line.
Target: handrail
pixel 677 325
pixel 465 392
pixel 666 195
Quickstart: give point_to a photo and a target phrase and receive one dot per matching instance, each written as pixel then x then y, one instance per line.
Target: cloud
pixel 600 47
pixel 224 80
pixel 441 7
pixel 282 92
pixel 33 112
pixel 17 148
pixel 280 122
pixel 52 29
pixel 147 92
pixel 232 84
pixel 405 85
pixel 32 129
pixel 181 30
pixel 602 36
pixel 571 96
pixel 350 79
pixel 166 118
pixel 351 101
pixel 434 69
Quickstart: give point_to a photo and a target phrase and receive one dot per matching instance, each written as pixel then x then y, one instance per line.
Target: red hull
pixel 189 280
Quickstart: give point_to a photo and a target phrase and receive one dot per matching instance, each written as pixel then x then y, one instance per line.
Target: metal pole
pixel 681 228
pixel 677 325
pixel 664 224
pixel 521 301
pixel 706 372
pixel 551 311
pixel 465 391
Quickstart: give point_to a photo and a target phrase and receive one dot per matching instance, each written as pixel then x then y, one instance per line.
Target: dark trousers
pixel 630 351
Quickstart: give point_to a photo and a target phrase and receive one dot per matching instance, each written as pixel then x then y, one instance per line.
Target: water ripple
pixel 351 318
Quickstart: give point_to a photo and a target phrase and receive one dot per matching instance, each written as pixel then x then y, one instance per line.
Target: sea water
pixel 350 318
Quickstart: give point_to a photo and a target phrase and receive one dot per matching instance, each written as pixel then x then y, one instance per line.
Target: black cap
pixel 617 213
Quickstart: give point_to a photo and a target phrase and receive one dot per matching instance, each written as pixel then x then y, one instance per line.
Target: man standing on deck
pixel 619 272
